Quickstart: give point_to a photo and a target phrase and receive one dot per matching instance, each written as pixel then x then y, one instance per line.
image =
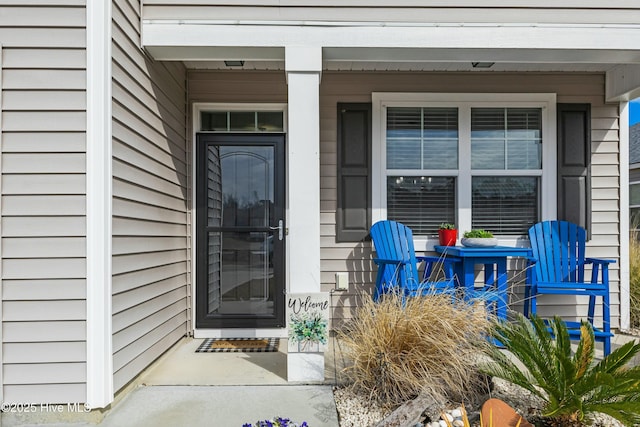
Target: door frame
pixel 248 332
pixel 277 141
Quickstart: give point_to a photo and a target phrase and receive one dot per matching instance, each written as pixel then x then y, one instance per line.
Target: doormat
pixel 232 345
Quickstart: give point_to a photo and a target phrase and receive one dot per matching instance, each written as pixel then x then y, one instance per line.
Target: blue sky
pixel 634 111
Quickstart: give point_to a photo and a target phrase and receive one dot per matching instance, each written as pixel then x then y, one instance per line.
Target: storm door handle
pixel 280 229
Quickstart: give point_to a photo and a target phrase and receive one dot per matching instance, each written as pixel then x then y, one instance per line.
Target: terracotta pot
pixel 447 237
pixel 495 412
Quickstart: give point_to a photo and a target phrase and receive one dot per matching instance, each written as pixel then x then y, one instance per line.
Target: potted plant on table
pixel 447 234
pixel 478 238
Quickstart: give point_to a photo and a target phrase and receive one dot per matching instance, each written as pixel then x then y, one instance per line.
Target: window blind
pixel 420 202
pixel 422 138
pixel 504 205
pixel 506 138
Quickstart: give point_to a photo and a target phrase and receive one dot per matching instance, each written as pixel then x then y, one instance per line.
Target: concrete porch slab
pixel 224 406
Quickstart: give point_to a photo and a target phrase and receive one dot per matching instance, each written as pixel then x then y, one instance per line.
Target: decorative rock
pixel 358 410
pixel 458 423
pixel 442 423
pixel 448 416
pixel 456 413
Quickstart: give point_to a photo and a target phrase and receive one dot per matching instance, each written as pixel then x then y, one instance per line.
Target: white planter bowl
pixel 479 242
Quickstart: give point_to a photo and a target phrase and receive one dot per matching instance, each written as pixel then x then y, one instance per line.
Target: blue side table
pixel 494 260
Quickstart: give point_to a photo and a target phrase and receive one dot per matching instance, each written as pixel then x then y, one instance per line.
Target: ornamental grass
pixel 397 350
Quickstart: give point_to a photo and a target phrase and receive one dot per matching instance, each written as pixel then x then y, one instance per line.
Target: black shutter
pixel 353 214
pixel 574 164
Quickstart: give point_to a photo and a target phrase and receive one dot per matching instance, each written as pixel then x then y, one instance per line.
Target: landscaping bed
pixel 410 361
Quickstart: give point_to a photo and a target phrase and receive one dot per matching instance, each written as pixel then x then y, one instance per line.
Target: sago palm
pixel 571 384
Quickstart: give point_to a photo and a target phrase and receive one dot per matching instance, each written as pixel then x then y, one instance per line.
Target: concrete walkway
pixel 223 406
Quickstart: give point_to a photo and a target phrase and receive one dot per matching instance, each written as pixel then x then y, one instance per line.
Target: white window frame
pixel 464 102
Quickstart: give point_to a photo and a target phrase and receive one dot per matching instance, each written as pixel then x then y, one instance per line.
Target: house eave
pixel 514 42
pixel 605 48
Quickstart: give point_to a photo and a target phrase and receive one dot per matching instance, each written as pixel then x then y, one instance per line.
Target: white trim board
pixel 100 391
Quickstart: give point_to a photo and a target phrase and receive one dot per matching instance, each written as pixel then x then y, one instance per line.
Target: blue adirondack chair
pixel 398 264
pixel 558 268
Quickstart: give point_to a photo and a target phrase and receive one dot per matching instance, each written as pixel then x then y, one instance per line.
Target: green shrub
pixel 397 350
pixel 475 233
pixel 571 384
pixel 447 226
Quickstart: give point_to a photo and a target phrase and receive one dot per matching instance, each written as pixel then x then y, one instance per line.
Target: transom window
pixel 242 121
pixel 472 161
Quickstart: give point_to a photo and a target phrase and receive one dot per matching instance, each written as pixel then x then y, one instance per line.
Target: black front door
pixel 240 230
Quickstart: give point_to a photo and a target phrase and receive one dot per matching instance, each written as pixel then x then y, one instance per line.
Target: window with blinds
pixel 503 175
pixel 421 139
pixel 505 139
pixel 421 202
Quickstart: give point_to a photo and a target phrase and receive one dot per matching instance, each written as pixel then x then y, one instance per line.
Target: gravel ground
pixel 358 411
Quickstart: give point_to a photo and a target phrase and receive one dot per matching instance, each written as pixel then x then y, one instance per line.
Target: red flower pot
pixel 447 237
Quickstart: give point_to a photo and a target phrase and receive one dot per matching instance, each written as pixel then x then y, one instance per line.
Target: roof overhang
pixel 614 49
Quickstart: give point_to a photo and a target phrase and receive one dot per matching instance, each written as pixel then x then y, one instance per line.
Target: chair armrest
pixel 600 261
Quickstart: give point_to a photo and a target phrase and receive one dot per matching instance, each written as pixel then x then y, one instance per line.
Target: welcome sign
pixel 308 322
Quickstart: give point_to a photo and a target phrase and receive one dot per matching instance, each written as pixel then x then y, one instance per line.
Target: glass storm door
pixel 240 230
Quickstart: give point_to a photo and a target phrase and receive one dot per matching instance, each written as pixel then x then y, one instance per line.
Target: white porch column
pixel 303 66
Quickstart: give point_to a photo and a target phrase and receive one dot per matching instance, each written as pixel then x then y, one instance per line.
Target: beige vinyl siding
pixel 43 201
pixel 230 86
pixel 150 201
pixel 357 87
pixel 436 11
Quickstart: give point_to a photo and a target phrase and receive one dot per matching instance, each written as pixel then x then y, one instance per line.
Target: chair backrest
pixel 559 247
pixel 393 240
